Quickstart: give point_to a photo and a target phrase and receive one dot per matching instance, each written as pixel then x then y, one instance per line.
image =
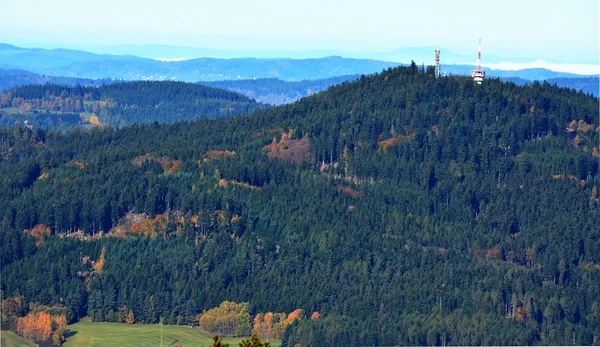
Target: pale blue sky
pixel 559 30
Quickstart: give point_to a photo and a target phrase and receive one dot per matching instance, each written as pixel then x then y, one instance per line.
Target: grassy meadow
pixel 10 339
pixel 120 334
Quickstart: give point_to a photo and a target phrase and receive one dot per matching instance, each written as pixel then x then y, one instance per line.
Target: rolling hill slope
pixel 407 210
pixel 118 104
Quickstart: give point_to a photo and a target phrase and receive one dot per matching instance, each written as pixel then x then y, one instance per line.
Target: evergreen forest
pixel 400 208
pixel 54 106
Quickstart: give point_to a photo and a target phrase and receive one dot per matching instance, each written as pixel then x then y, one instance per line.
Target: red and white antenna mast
pixel 478 74
pixel 479 53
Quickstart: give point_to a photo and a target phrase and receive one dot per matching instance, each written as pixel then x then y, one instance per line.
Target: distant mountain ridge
pixel 71 63
pixel 33 59
pixel 399 55
pixel 10 78
pixel 80 64
pixel 588 85
pixel 277 92
pixel 528 74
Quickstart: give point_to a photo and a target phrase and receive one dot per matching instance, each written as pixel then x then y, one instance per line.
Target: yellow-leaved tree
pixel 229 318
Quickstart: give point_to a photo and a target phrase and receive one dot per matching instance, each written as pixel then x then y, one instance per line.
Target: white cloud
pixel 581 69
pixel 171 59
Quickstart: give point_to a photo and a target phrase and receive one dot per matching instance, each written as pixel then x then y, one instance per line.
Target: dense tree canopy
pixel 404 209
pixel 118 104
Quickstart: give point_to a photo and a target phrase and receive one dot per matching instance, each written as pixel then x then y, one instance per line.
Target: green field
pixel 119 334
pixel 10 110
pixel 16 110
pixel 10 339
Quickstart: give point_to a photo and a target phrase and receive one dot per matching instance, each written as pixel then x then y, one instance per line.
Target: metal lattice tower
pixel 478 74
pixel 437 63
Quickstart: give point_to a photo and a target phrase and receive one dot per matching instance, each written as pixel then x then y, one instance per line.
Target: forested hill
pixel 407 210
pixel 119 104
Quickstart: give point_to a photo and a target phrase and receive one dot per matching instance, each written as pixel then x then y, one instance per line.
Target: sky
pixel 549 30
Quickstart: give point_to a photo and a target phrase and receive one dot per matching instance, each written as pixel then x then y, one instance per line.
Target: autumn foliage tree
pixel 41 232
pixel 42 322
pixel 263 324
pixel 99 264
pixel 150 227
pixel 35 326
pixel 59 327
pixel 272 325
pixel 229 318
pixel 130 318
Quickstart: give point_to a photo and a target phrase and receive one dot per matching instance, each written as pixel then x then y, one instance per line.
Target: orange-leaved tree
pixel 99 264
pixel 130 318
pixel 36 326
pixel 272 325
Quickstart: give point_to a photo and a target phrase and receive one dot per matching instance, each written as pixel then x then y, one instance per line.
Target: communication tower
pixel 437 63
pixel 478 74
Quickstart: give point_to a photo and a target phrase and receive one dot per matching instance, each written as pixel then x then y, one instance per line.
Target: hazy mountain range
pixel 73 63
pixel 70 63
pixel 400 55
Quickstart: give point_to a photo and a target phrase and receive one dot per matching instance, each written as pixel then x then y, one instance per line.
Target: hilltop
pixel 406 210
